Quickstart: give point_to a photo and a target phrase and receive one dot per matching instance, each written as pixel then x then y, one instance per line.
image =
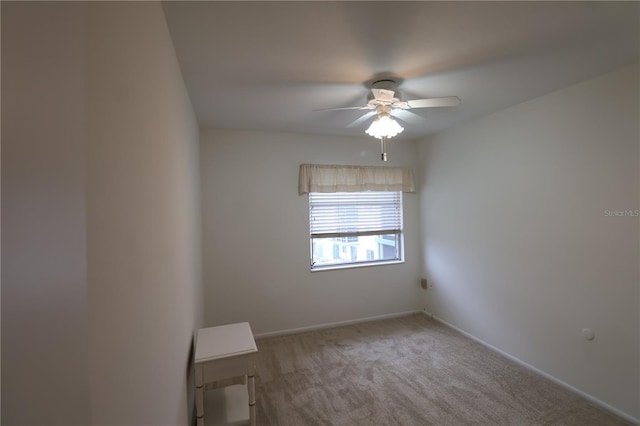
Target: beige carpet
pixel 409 370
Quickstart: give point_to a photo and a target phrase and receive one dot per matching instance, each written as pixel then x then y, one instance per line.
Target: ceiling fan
pixel 384 101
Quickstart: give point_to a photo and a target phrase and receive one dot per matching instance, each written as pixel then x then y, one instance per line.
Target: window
pixel 355 213
pixel 356 227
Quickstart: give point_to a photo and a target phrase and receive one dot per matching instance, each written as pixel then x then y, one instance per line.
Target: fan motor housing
pixel 386 84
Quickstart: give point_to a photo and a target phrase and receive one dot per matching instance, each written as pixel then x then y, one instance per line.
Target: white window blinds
pixel 344 214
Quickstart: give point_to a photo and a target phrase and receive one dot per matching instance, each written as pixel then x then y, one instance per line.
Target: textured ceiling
pixel 268 65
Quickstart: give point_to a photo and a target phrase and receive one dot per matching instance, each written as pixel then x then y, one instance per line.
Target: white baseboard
pixel 565 385
pixel 331 324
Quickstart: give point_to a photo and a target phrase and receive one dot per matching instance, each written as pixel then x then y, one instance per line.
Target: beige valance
pixel 332 178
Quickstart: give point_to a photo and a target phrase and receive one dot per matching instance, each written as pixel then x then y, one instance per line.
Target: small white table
pixel 225 352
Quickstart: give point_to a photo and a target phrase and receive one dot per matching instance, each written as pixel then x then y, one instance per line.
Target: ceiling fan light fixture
pixel 384 127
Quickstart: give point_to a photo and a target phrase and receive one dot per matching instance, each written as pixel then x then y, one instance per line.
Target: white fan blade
pixel 408 116
pixel 448 101
pixel 383 95
pixel 343 109
pixel 362 119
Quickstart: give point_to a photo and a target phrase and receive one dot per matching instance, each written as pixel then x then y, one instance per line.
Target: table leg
pixel 199 395
pixel 252 400
pixel 200 406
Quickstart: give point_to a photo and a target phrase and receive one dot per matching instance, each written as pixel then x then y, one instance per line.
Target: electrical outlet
pixel 423 283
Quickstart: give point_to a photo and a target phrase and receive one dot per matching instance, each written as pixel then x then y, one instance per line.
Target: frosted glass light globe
pixel 384 126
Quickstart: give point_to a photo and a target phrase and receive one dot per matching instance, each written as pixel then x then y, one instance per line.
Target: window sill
pixel 355 265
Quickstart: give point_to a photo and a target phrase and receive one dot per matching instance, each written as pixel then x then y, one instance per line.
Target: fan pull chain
pixel 383 149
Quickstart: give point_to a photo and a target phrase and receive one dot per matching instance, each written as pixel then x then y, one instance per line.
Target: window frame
pixel 346 239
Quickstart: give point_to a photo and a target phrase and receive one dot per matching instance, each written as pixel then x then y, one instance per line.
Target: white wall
pixel 45 365
pixel 101 217
pixel 144 234
pixel 516 240
pixel 256 235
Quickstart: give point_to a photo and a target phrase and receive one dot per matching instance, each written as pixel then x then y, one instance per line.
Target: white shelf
pixel 228 406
